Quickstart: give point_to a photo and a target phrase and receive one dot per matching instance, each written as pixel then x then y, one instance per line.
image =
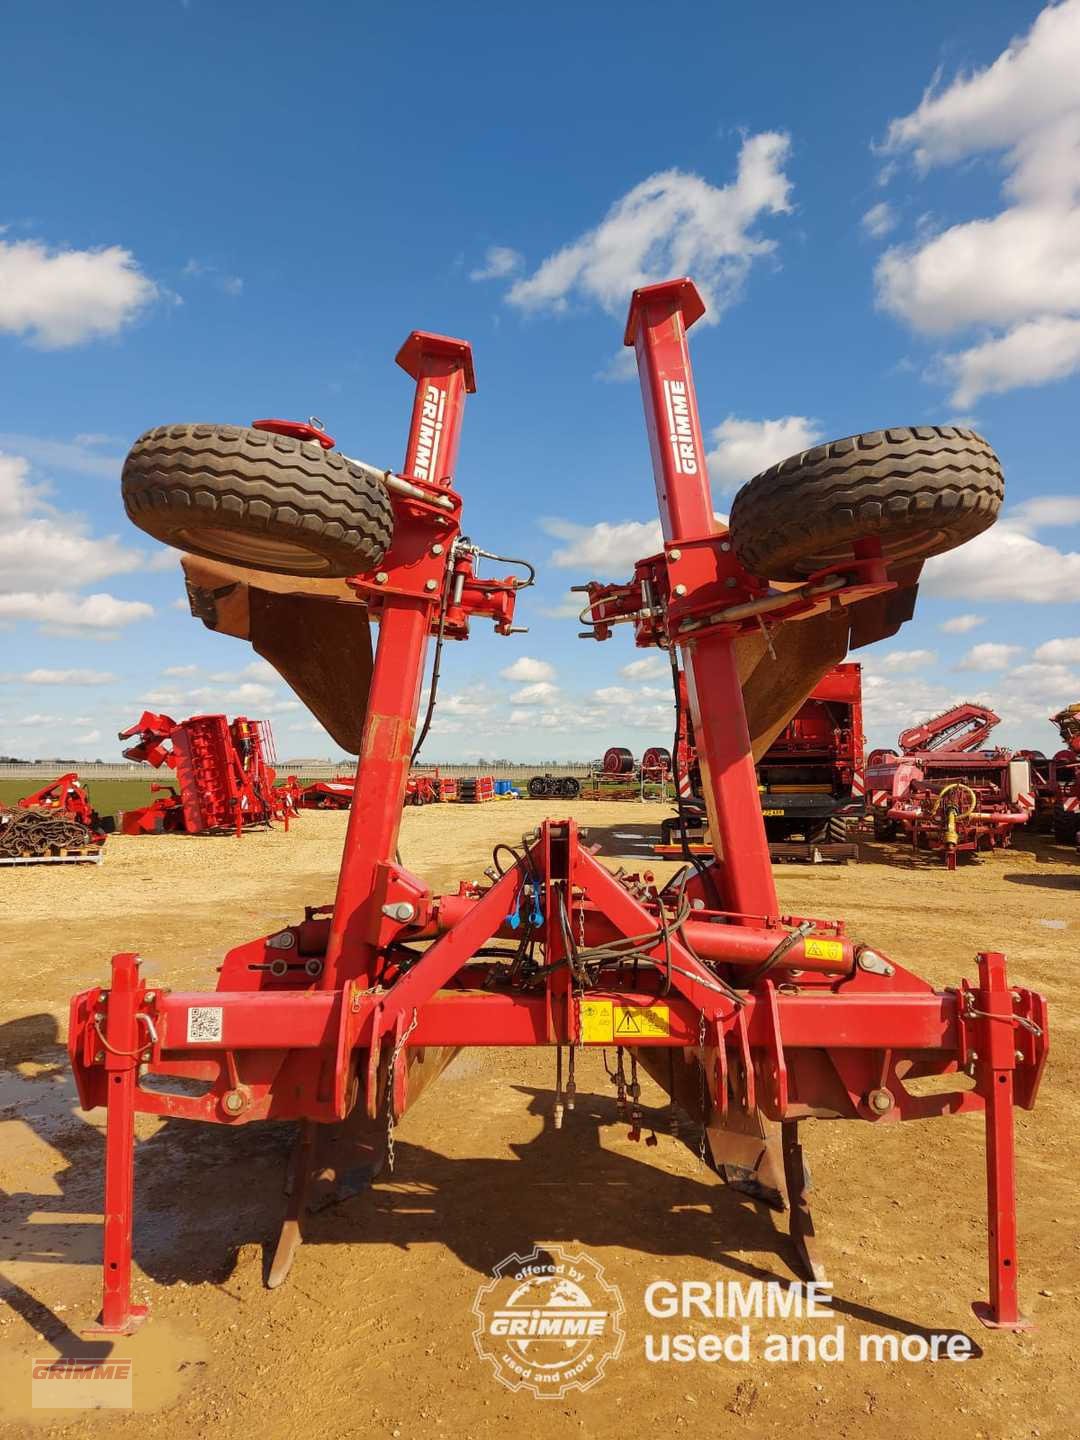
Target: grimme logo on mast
pixel 549 1322
pixel 429 435
pixel 680 428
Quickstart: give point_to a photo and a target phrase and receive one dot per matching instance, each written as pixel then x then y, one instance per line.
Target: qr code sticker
pixel 203 1024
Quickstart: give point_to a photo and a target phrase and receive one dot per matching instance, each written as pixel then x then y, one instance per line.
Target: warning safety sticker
pixel 645 1020
pixel 823 950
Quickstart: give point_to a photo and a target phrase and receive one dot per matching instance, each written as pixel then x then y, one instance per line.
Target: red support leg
pixel 660 316
pixel 995 1067
pixel 121 1047
pixel 375 814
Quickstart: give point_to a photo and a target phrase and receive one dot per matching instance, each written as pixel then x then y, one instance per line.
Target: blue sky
pixel 219 212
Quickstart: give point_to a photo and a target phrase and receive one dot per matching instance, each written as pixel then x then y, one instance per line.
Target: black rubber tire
pixel 1066 827
pixel 538 788
pixel 571 787
pixel 884 829
pixel 254 498
pixel 919 491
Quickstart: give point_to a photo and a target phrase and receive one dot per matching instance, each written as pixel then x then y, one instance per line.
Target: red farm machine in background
pixel 1065 777
pixel 56 823
pixel 944 792
pixel 753 1020
pixel 224 776
pixel 810 779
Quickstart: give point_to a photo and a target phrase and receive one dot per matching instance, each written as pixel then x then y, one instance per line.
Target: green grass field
pixel 106 796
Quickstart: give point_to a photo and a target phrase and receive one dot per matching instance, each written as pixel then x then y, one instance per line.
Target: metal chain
pixel 390 1092
pixel 704 1085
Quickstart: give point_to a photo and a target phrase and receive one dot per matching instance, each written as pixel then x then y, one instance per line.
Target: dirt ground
pixel 372 1334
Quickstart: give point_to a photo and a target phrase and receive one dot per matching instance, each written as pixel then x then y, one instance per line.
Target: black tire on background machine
pixel 919 490
pixel 538 787
pixel 1066 826
pixel 618 760
pixel 258 499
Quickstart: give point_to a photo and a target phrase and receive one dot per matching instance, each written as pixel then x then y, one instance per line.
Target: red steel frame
pixel 790 1017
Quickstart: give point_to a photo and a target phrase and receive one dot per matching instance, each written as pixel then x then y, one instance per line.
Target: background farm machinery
pixel 810 779
pixel 753 1020
pixel 1063 780
pixel 944 792
pixel 224 775
pixel 55 824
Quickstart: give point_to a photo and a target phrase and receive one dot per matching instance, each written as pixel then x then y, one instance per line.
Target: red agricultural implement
pixel 55 824
pixel 810 779
pixel 224 775
pixel 944 793
pixel 1065 777
pixel 324 794
pixel 753 1020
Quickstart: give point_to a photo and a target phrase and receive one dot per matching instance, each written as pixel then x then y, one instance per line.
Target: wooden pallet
pixel 826 852
pixel 90 856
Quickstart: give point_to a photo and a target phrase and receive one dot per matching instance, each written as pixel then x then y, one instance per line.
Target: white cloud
pixel 58 551
pixel 614 695
pixel 1007 562
pixel 988 272
pixel 899 662
pixel 621 367
pixel 743 448
pixel 1059 652
pixel 90 738
pixel 541 693
pixel 672 223
pixel 45 552
pixel 254 670
pixel 499 261
pixel 65 677
pixel 467 704
pixel 1018 271
pixel 180 670
pixel 879 220
pixel 60 298
pixel 526 668
pixel 962 624
pixel 17 494
pixel 990 655
pixel 647 665
pixel 603 549
pixel 62 611
pixel 1030 354
pixel 80 456
pixel 1028 86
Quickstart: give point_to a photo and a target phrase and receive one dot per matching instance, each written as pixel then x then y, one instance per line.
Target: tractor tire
pixel 918 491
pixel 539 788
pixel 571 787
pixel 884 829
pixel 1066 827
pixel 257 499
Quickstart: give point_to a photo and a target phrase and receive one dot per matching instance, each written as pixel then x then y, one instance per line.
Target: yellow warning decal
pixel 646 1020
pixel 823 950
pixel 772 812
pixel 596 1022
